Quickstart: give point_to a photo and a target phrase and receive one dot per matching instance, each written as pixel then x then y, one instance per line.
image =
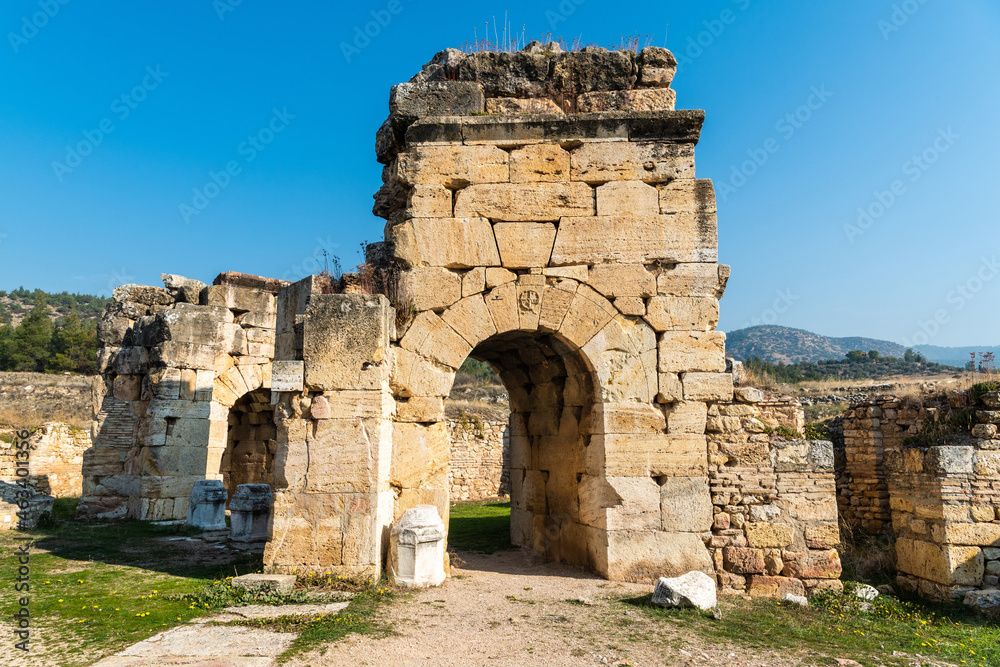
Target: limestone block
pixel 416 548
pixel 471 319
pixel 619 503
pixel 453 166
pixel 269 583
pixel 412 100
pixel 456 243
pixel 670 388
pixel 683 237
pixel 250 513
pixel 707 386
pixel 692 351
pixel 342 456
pixel 691 280
pixel 638 99
pixel 556 301
pixel 687 196
pixel 657 67
pixel 503 307
pixel 239 298
pixel 127 387
pixel 539 163
pixel 415 376
pixel 529 292
pixel 432 288
pixel 473 281
pixel 428 201
pixel 131 361
pixel 142 294
pixel 982 513
pixel 432 337
pixel 614 280
pixel 626 417
pixel 812 564
pixel 946 565
pixel 651 162
pixel 677 313
pixel 346 341
pixel 987 463
pixel 419 455
pixel 694 589
pixel 636 455
pixel 588 313
pixel 803 508
pixel 950 459
pixel 524 245
pixel 977 534
pixel 624 357
pixel 825 536
pixel 630 305
pixel 345 404
pixel 509 106
pixel 763 586
pixel 687 417
pixel 578 272
pixel 743 560
pixel 420 409
pixel 627 198
pixel 768 535
pixel 985 431
pixel 173 354
pixel 646 555
pixel 496 277
pixel 525 202
pixel 686 504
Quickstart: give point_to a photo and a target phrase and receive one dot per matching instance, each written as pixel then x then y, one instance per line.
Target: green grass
pixel 838 626
pixel 482 527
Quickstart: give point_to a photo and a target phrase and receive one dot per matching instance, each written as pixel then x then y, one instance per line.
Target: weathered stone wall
pixel 56 459
pixel 940 502
pixel 774 524
pixel 480 465
pixel 172 361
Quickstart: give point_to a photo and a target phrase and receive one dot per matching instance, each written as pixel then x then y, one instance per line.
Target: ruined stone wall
pixel 56 460
pixel 173 361
pixel 774 527
pixel 479 459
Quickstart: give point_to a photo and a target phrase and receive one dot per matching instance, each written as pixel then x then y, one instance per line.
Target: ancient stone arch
pixel 576 252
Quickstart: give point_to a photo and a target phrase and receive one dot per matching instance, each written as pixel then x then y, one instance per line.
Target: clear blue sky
pixel 889 88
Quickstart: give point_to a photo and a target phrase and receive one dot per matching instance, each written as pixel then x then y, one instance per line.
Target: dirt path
pixel 513 609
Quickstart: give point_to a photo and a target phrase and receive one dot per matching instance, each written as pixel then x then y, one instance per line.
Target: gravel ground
pixel 512 608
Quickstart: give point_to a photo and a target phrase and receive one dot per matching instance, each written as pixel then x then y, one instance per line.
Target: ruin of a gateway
pixel 543 215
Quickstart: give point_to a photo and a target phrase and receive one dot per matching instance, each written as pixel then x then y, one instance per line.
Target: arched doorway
pixel 250 442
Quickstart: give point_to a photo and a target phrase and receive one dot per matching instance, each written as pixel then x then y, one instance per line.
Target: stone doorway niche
pixel 551 394
pixel 250 442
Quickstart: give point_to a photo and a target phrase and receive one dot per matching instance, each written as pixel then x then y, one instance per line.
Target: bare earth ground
pixel 512 608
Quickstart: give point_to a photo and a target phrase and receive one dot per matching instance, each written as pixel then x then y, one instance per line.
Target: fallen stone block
pixel 272 583
pixel 694 589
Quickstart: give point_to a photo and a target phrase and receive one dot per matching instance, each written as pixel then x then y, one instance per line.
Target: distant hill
pixel 16 304
pixel 784 344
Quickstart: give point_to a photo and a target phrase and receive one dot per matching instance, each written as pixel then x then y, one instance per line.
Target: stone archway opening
pixel 250 443
pixel 551 397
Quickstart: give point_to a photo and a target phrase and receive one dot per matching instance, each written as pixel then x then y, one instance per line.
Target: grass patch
pixel 481 527
pixel 843 627
pixel 98 587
